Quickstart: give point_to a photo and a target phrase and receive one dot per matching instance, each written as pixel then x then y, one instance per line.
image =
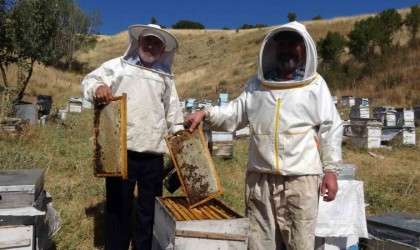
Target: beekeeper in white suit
pixel 144 74
pixel 295 137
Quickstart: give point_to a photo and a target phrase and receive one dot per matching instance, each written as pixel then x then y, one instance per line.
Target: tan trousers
pixel 281 209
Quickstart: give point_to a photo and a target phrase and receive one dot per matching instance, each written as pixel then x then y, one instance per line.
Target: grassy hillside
pixel 208 60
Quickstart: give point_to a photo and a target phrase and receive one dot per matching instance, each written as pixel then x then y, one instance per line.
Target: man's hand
pixel 193 120
pixel 104 94
pixel 329 186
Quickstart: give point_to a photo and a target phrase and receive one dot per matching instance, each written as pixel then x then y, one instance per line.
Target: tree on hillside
pixel 374 33
pixel 331 47
pixel 362 38
pixel 153 20
pixel 318 17
pixel 390 22
pixel 291 16
pixel 186 24
pixel 246 26
pixel 76 32
pixel 412 21
pixel 260 25
pixel 31 31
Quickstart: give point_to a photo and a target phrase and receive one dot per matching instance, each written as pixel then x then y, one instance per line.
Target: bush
pixel 331 47
pixel 291 16
pixel 374 32
pixel 318 17
pixel 412 21
pixel 185 24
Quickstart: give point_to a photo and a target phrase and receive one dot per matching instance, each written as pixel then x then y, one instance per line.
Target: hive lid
pixel 14 180
pixel 194 165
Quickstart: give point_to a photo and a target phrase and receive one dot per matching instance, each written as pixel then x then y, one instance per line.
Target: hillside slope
pixel 210 61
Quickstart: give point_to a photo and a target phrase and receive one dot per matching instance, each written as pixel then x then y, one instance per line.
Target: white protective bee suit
pixel 152 111
pixel 152 99
pixel 296 132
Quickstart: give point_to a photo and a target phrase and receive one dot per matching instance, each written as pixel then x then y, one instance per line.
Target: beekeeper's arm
pixel 330 138
pixel 97 85
pixel 227 118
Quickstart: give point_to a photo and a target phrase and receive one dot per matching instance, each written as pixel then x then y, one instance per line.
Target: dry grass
pixel 392 183
pixel 66 153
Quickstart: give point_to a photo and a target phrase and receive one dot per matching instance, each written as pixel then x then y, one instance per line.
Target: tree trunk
pixel 22 86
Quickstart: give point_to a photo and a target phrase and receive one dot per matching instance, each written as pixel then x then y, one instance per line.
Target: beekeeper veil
pixel 171 44
pixel 272 61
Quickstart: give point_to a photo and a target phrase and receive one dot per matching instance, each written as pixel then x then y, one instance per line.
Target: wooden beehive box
pixel 210 225
pixel 194 165
pixel 17 237
pixel 397 227
pixel 110 139
pixel 20 187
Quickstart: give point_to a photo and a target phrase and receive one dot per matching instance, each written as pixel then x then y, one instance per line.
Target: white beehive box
pixel 17 237
pixel 347 101
pixel 386 114
pixel 221 144
pixel 405 117
pixel 211 225
pixel 335 99
pixel 221 136
pixel 75 105
pixel 361 101
pixel 359 112
pixel 366 133
pixel 409 136
pixel 222 149
pixel 20 188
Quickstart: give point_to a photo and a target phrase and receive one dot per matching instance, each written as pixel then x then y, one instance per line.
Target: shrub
pixel 374 32
pixel 331 47
pixel 412 21
pixel 291 16
pixel 186 24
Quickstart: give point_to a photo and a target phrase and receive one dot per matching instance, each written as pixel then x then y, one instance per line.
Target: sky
pixel 116 16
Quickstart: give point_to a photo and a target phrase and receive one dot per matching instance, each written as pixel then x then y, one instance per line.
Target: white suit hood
pixel 267 56
pixel 167 57
pixel 295 128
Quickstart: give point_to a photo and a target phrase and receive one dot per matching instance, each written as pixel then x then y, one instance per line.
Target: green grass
pixel 65 152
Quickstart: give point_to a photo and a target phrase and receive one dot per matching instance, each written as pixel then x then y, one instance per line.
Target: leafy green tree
pixel 362 38
pixel 291 16
pixel 246 26
pixel 331 47
pixel 32 31
pixel 260 25
pixel 412 21
pixel 318 17
pixel 153 20
pixel 390 21
pixel 76 31
pixel 31 27
pixel 374 32
pixel 186 24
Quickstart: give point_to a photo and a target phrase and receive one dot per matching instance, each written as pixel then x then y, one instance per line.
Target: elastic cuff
pixel 332 168
pixel 207 112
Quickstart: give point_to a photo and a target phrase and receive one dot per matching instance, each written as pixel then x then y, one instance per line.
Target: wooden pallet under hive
pixel 110 139
pixel 210 225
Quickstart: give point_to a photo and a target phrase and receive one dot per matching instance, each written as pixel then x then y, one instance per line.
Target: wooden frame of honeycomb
pixel 194 165
pixel 110 138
